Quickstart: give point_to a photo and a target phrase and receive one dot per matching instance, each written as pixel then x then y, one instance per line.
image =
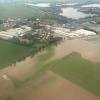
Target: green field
pixel 10 52
pixel 18 10
pixel 79 71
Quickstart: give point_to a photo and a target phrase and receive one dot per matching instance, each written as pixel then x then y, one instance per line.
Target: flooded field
pixel 88 50
pixel 18 81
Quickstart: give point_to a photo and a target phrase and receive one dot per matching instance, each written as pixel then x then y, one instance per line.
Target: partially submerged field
pixel 55 74
pixel 70 71
pixel 82 72
pixel 10 53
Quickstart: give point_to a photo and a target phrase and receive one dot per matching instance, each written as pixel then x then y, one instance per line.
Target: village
pixel 26 30
pixel 49 50
pixel 23 30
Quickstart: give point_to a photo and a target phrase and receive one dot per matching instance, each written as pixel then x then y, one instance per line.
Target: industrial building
pixel 16 32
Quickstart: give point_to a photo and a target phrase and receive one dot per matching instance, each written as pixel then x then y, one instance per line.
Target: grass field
pixel 10 53
pixel 18 10
pixel 79 71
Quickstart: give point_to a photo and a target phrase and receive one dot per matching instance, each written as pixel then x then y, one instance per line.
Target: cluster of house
pixel 25 26
pixel 15 22
pixel 18 27
pixel 9 22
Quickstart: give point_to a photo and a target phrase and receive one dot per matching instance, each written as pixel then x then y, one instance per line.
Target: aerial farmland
pixel 47 52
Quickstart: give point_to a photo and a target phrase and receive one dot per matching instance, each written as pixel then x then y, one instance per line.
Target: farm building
pixel 14 32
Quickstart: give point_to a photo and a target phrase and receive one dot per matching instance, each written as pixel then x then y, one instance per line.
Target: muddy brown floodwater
pixel 49 86
pixel 88 50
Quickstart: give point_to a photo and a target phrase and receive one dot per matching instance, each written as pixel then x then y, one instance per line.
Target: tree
pixel 1 21
pixel 9 98
pixel 32 19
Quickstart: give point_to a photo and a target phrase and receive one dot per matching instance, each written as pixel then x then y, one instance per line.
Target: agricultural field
pixel 69 73
pixel 67 70
pixel 21 10
pixel 82 72
pixel 10 52
pixel 18 10
pixel 58 79
pixel 79 69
